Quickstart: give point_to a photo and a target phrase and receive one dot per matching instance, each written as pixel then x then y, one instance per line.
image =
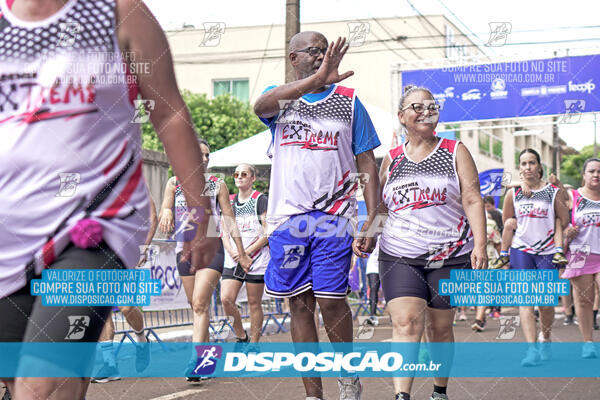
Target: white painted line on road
pixel 179 395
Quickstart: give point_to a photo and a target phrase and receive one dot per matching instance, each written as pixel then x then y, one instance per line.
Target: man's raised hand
pixel 328 71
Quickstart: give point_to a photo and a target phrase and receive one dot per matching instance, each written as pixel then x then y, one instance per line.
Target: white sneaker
pixel 438 396
pixel 350 388
pixel 532 357
pixel 588 350
pixel 313 398
pixel 545 350
pixel 372 320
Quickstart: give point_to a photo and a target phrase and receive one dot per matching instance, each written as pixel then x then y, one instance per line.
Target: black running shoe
pixel 106 374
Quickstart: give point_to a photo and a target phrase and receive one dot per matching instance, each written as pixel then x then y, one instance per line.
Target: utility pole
pixel 292 26
pixel 556 147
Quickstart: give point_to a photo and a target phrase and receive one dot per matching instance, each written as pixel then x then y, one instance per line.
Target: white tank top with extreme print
pixel 313 164
pixel 586 216
pixel 246 217
pixel 426 220
pixel 211 189
pixel 68 147
pixel 535 220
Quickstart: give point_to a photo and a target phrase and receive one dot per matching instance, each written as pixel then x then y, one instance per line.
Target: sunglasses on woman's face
pixel 242 174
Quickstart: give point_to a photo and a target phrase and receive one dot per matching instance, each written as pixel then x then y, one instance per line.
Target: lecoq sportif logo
pixel 207 359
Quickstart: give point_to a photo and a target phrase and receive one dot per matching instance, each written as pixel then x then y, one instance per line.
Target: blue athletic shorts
pixel 310 251
pixel 522 260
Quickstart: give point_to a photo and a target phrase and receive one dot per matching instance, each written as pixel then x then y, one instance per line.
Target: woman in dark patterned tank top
pixel 436 223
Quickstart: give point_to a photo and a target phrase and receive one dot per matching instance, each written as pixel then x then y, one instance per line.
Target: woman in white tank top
pixel 533 243
pixel 435 223
pixel 583 238
pixel 66 65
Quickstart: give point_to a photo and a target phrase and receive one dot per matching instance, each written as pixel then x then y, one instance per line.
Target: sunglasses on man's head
pixel 242 174
pixel 312 51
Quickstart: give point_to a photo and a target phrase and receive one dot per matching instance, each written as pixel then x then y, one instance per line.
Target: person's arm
pixel 508 210
pixel 383 175
pixel 366 164
pixel 153 223
pixel 267 105
pixel 140 34
pixel 227 243
pixel 230 227
pixel 472 204
pixel 151 232
pixel 563 194
pixel 562 213
pixel 165 216
pixel 263 240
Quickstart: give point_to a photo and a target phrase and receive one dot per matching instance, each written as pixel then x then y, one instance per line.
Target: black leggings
pixel 23 318
pixel 373 281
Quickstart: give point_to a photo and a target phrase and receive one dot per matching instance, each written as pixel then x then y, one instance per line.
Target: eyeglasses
pixel 312 51
pixel 242 174
pixel 419 108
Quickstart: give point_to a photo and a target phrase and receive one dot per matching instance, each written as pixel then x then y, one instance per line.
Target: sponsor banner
pixel 164 268
pixel 515 287
pixel 365 359
pixel 512 89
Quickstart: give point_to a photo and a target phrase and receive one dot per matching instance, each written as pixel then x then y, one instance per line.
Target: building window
pixel 490 145
pixel 517 154
pixel 238 88
pixel 484 143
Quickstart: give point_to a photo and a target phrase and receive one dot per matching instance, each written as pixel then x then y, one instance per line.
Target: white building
pixel 245 60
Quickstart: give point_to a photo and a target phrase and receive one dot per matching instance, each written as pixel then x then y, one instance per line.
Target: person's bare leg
pixel 439 330
pixel 408 324
pixel 583 292
pixel 337 318
pixel 546 321
pixel 108 332
pixel 480 313
pixel 528 323
pixel 134 317
pixel 303 329
pixel 255 292
pixel 229 292
pixel 30 388
pixel 206 282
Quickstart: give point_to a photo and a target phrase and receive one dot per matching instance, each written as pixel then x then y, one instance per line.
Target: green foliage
pixel 221 121
pixel 571 167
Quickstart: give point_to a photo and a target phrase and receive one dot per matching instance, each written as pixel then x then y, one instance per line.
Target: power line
pixel 249 59
pixel 401 38
pixel 390 36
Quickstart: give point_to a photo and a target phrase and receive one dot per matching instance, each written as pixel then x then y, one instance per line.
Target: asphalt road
pixel 374 388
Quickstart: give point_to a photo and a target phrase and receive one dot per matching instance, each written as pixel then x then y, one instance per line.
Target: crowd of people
pixel 426 189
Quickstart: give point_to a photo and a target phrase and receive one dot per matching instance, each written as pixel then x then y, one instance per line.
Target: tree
pixel 571 167
pixel 221 121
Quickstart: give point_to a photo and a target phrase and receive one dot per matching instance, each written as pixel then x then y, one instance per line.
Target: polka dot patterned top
pixel 70 144
pixel 426 220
